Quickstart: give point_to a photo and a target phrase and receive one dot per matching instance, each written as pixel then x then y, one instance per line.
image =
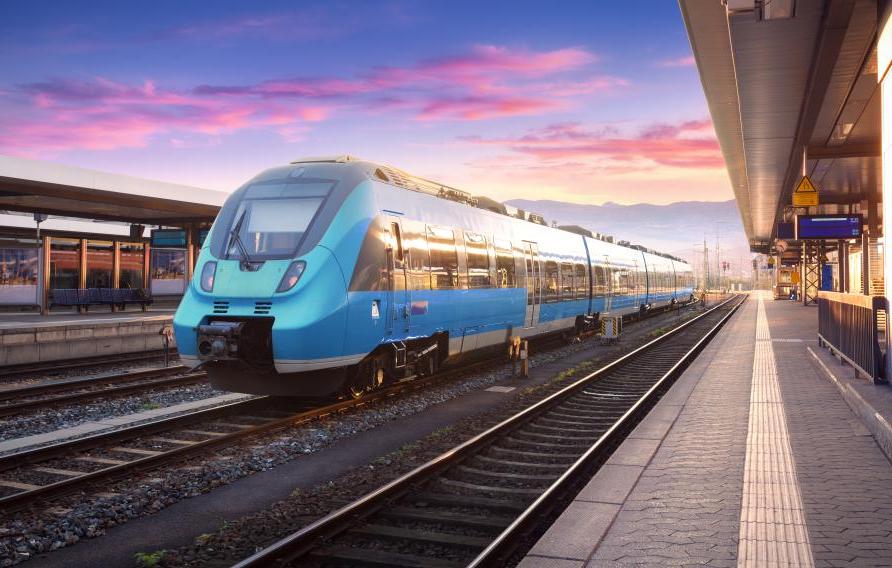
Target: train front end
pixel 267 309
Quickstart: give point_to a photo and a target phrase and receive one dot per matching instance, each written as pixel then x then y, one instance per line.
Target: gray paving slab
pixel 612 484
pixel 845 478
pixel 680 505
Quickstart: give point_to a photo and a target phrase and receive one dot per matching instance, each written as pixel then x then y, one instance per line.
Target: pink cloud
pixel 687 61
pixel 487 82
pixel 689 144
pixel 101 114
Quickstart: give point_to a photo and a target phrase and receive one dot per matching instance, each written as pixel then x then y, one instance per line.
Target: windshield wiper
pixel 237 239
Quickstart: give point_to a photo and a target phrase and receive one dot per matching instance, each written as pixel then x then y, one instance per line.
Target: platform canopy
pixel 786 79
pixel 45 187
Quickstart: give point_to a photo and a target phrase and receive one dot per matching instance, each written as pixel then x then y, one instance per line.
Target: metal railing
pixel 853 327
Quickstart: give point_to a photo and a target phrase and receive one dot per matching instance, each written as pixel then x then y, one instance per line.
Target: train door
pixel 534 284
pixel 608 285
pixel 397 266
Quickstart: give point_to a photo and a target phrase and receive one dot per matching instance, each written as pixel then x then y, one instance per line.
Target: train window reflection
pixel 443 258
pixel 567 285
pixel 551 292
pixel 415 245
pixel 599 285
pixel 478 261
pixel 505 270
pixel 581 281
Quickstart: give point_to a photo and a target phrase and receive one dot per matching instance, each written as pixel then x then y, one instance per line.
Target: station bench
pixel 86 297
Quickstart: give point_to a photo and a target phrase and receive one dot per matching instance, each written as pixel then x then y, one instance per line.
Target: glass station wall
pixel 168 271
pixel 19 269
pixel 65 263
pixel 132 263
pixel 100 264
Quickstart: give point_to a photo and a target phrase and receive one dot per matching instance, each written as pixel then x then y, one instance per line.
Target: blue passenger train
pixel 336 275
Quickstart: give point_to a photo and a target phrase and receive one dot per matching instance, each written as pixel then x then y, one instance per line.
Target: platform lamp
pixel 40 218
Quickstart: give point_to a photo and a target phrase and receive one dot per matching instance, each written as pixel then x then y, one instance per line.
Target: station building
pixel 801 88
pixel 96 230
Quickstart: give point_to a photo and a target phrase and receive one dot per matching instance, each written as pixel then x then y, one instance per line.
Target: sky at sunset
pixel 588 102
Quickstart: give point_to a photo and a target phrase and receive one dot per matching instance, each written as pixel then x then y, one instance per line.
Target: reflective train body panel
pixel 387 282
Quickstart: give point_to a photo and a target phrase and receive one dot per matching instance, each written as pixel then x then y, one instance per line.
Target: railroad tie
pixel 138 451
pixel 19 485
pixel 55 471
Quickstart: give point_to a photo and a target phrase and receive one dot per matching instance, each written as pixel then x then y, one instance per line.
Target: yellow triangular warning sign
pixel 805 194
pixel 806 186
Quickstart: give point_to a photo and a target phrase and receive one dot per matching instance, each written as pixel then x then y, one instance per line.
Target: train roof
pixel 402 179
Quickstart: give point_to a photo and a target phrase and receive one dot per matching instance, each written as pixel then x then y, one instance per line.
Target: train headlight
pixel 291 276
pixel 208 271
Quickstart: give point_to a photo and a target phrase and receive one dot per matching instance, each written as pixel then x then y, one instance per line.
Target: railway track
pixel 33 477
pixel 474 504
pixel 50 394
pixel 59 367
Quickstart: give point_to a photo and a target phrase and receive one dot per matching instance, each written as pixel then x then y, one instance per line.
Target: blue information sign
pixel 828 227
pixel 169 238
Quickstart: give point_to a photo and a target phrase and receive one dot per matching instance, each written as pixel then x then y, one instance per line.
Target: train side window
pixel 443 258
pixel 551 293
pixel 415 245
pixel 567 286
pixel 622 281
pixel 505 267
pixel 599 285
pixel 398 253
pixel 478 261
pixel 581 282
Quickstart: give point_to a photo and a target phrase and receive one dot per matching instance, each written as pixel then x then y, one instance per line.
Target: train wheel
pixel 369 376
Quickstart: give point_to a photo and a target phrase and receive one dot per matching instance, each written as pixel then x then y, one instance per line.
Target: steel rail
pixel 147 380
pixel 504 543
pixel 304 540
pixel 8 371
pixel 67 448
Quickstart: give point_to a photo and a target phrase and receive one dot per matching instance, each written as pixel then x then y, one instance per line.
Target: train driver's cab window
pixel 567 286
pixel 478 261
pixel 552 276
pixel 505 271
pixel 443 258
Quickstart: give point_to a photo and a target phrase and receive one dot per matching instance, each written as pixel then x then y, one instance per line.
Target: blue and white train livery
pixel 336 275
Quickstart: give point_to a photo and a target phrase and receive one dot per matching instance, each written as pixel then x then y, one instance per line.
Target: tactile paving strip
pixel 772 522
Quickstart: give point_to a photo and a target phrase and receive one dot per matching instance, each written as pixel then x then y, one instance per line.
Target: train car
pixel 336 275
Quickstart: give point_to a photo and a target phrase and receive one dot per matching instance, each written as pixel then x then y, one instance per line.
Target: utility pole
pixel 705 266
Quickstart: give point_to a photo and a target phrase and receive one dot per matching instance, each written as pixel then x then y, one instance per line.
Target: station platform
pixel 27 338
pixel 766 452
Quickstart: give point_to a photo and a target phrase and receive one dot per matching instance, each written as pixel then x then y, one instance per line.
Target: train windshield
pixel 267 220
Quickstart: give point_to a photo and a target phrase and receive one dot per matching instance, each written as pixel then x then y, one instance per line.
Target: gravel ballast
pixel 78 517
